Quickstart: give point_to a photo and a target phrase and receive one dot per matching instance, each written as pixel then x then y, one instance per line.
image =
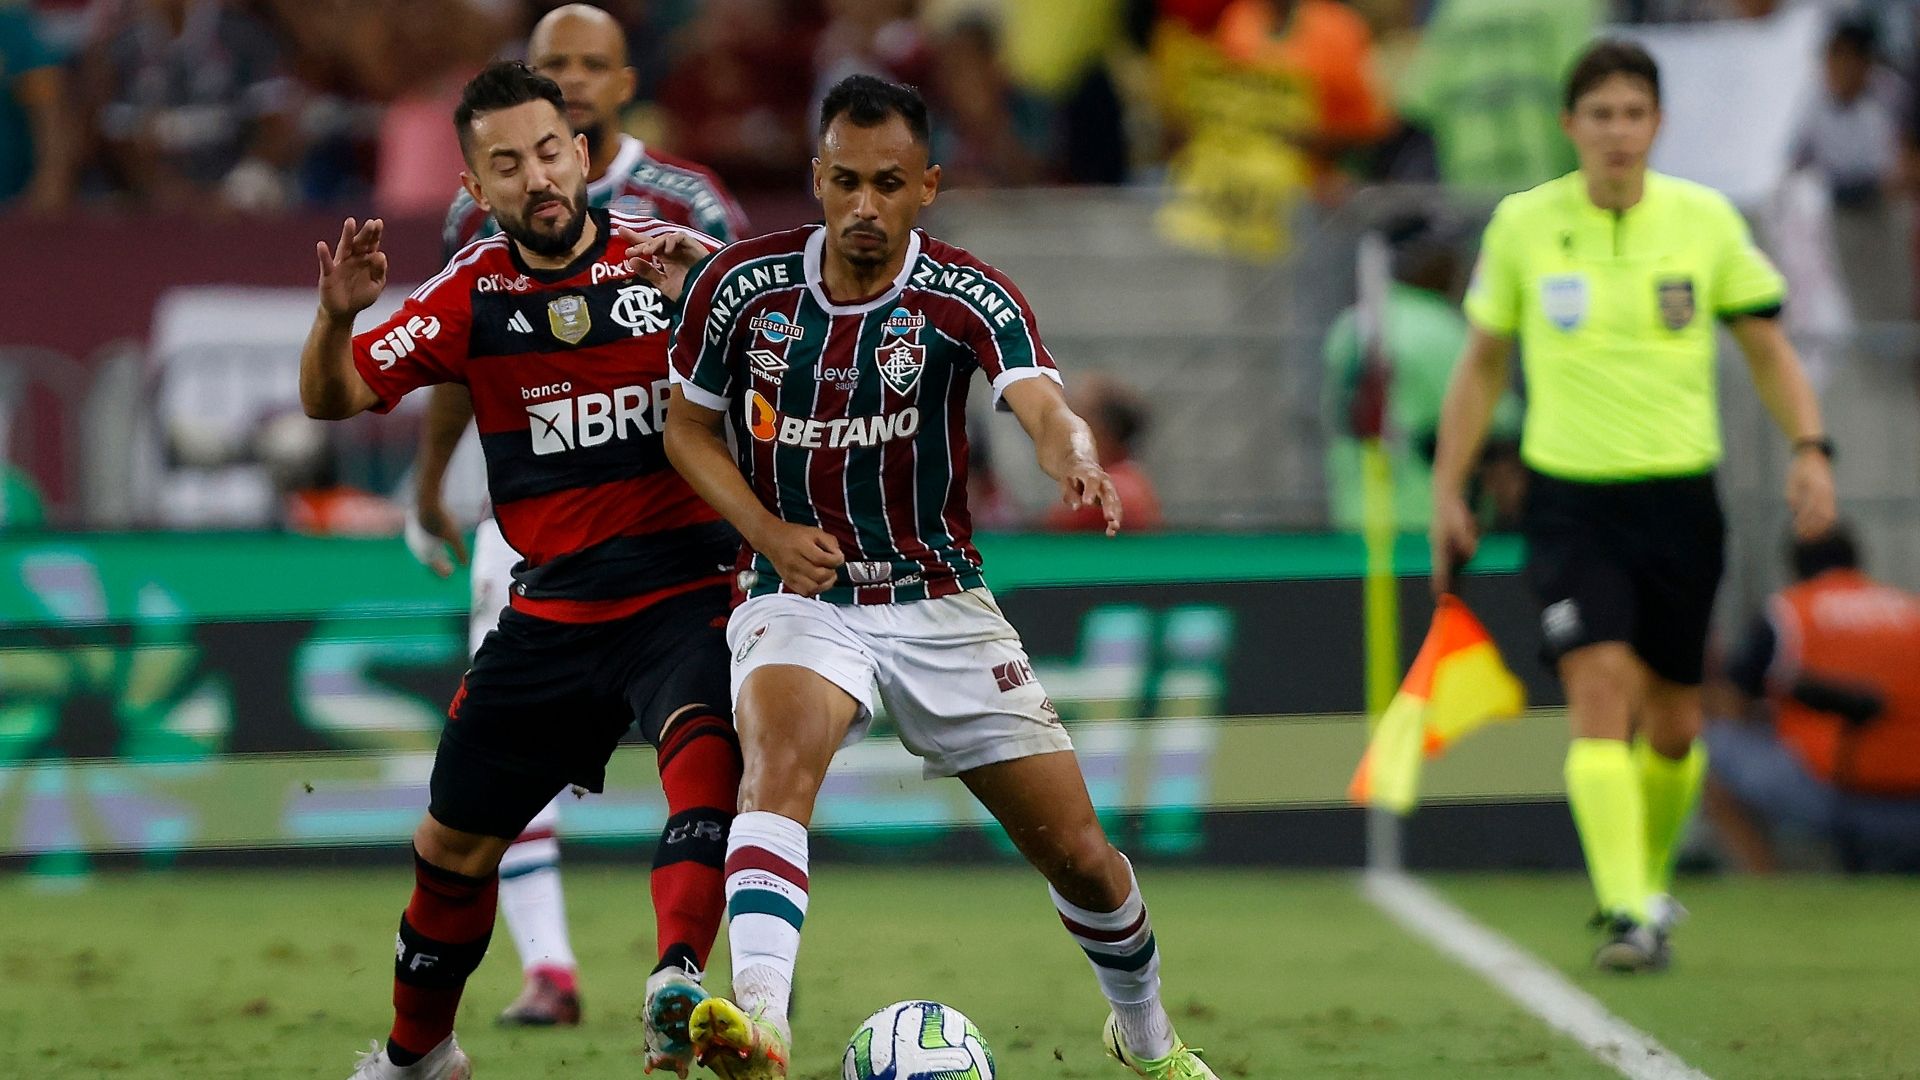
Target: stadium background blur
pixel 215 651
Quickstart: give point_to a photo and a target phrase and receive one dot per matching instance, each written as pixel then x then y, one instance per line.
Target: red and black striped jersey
pixel 857 412
pixel 568 373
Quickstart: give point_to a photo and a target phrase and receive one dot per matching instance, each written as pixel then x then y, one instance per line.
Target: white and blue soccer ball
pixel 917 1040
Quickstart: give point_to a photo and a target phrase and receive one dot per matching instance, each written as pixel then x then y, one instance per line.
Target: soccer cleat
pixel 1631 946
pixel 1183 1064
pixel 543 1002
pixel 737 1046
pixel 443 1062
pixel 672 995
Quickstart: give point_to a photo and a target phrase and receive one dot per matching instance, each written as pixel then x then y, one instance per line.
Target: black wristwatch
pixel 1822 443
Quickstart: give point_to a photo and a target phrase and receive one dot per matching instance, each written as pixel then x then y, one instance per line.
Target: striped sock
pixel 766 903
pixel 1127 964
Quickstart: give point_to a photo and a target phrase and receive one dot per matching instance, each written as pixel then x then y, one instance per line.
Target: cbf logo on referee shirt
pixel 1563 298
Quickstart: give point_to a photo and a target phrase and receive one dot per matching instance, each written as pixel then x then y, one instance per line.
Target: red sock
pixel 443 935
pixel 700 770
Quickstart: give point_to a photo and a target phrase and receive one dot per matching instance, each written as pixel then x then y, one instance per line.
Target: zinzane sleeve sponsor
pixel 423 343
pixel 1007 343
pixel 698 355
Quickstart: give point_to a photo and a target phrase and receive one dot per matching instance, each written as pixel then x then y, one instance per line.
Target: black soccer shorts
pixel 546 703
pixel 1636 562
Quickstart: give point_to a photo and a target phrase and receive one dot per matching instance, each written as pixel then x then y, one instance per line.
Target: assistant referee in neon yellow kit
pixel 1612 279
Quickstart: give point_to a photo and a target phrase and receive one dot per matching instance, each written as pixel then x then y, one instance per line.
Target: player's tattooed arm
pixel 352 275
pixel 806 558
pixel 1064 447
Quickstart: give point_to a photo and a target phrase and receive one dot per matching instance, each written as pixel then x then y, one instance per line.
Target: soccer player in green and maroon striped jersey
pixel 844 353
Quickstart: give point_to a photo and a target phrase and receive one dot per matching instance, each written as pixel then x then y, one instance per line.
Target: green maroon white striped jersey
pixel 853 416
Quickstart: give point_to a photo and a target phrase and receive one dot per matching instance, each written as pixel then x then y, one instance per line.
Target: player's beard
pixel 549 244
pixel 864 257
pixel 596 137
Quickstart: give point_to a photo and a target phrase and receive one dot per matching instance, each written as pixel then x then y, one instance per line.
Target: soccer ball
pixel 917 1040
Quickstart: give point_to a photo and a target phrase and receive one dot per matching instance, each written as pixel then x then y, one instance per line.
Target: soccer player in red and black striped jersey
pixel 618 602
pixel 844 353
pixel 584 50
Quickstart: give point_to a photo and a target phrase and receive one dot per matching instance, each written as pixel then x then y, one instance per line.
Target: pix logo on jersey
pixel 399 342
pixel 900 356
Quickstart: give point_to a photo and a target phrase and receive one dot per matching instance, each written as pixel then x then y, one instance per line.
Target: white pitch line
pixel 1531 984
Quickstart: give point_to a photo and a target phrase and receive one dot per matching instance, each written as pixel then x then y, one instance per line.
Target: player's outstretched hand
pixel 664 258
pixel 1453 538
pixel 1087 484
pixel 353 272
pixel 805 557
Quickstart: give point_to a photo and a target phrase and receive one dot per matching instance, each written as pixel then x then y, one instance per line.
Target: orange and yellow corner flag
pixel 1457 683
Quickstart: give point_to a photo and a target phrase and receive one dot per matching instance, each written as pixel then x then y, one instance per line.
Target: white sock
pixel 766 904
pixel 1126 962
pixel 530 897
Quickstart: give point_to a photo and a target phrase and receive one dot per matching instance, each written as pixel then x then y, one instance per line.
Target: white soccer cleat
pixel 444 1062
pixel 672 995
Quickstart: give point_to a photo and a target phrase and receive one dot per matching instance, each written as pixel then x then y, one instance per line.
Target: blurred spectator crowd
pixel 256 105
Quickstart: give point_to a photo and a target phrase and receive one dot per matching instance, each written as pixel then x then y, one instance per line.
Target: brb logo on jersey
pixel 575 423
pixel 400 341
pixel 900 355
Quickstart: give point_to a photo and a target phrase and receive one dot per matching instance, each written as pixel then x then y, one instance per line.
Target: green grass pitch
pixel 286 974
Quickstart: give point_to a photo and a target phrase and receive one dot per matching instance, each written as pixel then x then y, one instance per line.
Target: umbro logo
pixel 519 322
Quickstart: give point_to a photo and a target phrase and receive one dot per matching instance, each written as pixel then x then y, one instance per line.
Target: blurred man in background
pixel 194 108
pixel 1117 416
pixel 1836 660
pixel 583 49
pixel 37 139
pixel 1424 333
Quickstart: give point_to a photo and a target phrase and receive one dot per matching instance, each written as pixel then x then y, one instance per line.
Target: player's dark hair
pixel 1605 59
pixel 502 85
pixel 1834 549
pixel 867 102
pixel 1855 34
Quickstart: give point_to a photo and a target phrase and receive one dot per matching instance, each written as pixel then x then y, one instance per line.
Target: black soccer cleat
pixel 1631 946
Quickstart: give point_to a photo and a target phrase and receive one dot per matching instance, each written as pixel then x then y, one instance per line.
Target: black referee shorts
pixel 1637 562
pixel 546 703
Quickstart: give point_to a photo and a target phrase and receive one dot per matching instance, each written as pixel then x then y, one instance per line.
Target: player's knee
pixel 1673 720
pixel 1086 869
pixel 1602 683
pixel 465 853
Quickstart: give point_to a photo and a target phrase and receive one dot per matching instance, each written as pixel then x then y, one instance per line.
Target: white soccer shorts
pixel 951 672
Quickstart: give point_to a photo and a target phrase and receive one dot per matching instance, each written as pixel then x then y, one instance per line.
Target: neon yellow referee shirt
pixel 1615 313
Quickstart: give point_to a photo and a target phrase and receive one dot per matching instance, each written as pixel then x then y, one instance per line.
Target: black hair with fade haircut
pixel 867 102
pixel 502 85
pixel 1605 59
